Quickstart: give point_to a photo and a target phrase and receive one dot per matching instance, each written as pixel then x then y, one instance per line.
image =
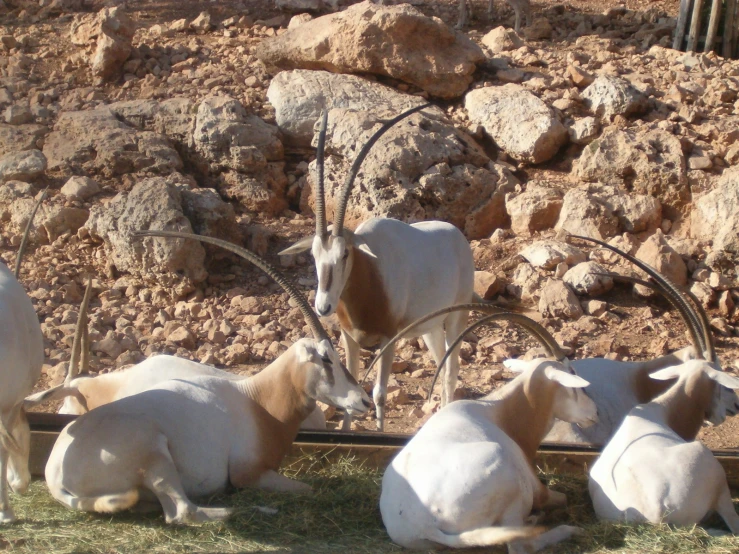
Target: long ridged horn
pixel 346 189
pixel 669 290
pixel 79 344
pixel 26 231
pixel 535 329
pixel 699 311
pixel 483 307
pixel 319 333
pixel 320 192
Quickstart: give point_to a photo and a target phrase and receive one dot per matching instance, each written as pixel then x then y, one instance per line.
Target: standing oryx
pixel 386 274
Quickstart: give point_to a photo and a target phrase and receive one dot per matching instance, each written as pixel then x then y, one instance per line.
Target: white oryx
pixel 467 477
pixel 21 358
pixel 653 470
pixel 387 274
pixel 190 438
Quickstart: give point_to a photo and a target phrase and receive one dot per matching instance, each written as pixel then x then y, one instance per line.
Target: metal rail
pixel 54 423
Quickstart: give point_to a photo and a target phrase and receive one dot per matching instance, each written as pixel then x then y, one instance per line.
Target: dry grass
pixel 342 516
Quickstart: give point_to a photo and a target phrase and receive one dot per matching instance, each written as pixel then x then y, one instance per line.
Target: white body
pixel 191 437
pixel 464 481
pixel 650 473
pixel 21 358
pixel 615 387
pixel 393 274
pixel 153 371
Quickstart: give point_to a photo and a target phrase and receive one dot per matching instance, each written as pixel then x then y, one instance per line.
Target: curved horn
pixel 319 333
pixel 476 306
pixel 698 311
pixel 535 329
pixel 320 194
pixel 26 231
pixel 669 289
pixel 346 189
pixel 79 342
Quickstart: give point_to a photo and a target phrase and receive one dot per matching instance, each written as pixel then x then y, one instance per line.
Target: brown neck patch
pixel 687 404
pixel 647 389
pixel 281 406
pixel 524 412
pixel 364 309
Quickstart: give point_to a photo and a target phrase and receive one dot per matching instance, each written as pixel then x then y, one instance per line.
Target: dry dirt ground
pixel 639 329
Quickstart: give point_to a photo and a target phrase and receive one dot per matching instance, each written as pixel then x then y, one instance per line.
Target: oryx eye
pixel 346 255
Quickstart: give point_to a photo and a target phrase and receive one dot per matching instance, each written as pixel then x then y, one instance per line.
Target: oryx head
pixel 334 251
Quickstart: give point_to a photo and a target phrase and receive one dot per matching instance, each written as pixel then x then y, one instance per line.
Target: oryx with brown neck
pixel 191 437
pixel 467 477
pixel 387 274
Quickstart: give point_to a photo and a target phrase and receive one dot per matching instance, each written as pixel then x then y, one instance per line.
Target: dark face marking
pixel 326 278
pixel 329 368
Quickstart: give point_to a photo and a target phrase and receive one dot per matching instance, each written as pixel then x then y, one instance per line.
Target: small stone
pixel 18 114
pixel 488 285
pixel 201 23
pixel 717 281
pixel 81 188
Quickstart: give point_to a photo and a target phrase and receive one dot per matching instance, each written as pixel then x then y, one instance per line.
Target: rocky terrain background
pixel 200 116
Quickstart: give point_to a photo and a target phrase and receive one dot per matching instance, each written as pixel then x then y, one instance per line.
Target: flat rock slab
pixel 519 122
pixel 396 41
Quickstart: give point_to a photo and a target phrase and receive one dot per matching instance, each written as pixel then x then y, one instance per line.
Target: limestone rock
pixel 649 162
pixel 14 138
pixel 502 39
pixel 488 285
pixel 51 221
pixel 114 38
pixel 660 255
pixel 548 253
pixel 96 141
pixel 80 187
pixel 584 131
pixel 17 114
pixel 535 209
pixel 584 279
pixel 246 151
pixel 299 97
pixel 422 168
pixel 609 96
pixel 201 23
pixel 153 203
pixel 526 283
pixel 519 122
pixel 583 214
pixel 22 166
pixel 558 300
pixel 715 215
pixel 397 41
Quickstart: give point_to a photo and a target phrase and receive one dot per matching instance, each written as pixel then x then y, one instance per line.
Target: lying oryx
pixel 21 358
pixel 192 437
pixel 653 469
pixel 386 274
pixel 467 477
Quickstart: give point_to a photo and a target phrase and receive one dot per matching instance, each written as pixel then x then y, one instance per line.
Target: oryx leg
pixel 436 344
pixel 162 478
pixel 454 324
pixel 725 508
pixel 463 15
pixel 273 481
pixel 352 364
pixel 491 9
pixel 379 394
pixel 6 512
pixel 548 538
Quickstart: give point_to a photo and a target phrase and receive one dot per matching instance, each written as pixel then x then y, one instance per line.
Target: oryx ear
pixel 516 365
pixel 724 379
pixel 54 393
pixel 358 242
pixel 565 379
pixel 672 372
pixel 301 246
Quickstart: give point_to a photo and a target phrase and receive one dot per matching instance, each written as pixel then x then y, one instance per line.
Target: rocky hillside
pixel 202 118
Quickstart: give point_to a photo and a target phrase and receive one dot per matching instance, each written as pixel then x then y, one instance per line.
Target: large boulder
pixel 715 215
pixel 647 162
pixel 397 41
pixel 243 151
pixel 608 96
pixel 96 141
pixel 657 252
pixel 422 168
pixel 299 97
pixel 601 211
pixel 519 122
pixel 154 203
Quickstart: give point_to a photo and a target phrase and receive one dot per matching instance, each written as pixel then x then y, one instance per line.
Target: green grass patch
pixel 341 516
